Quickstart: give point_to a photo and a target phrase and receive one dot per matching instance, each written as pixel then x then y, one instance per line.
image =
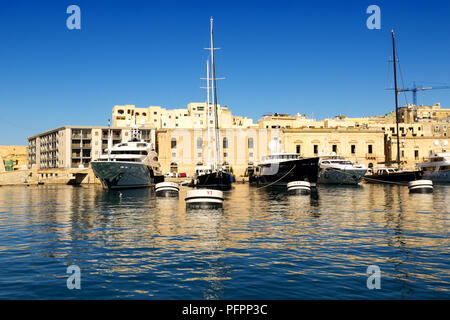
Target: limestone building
pixel 13 158
pixel 194 117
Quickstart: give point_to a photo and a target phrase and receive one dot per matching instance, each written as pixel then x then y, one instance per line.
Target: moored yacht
pixel 215 176
pixel 334 169
pixel 130 164
pixel 391 175
pixel 437 168
pixel 278 169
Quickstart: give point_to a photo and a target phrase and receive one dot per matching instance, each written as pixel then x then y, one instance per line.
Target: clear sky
pixel 313 57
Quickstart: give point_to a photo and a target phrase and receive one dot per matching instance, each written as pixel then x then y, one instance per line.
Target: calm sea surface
pixel 262 245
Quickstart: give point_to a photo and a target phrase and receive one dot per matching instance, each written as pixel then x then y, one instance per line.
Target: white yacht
pixel 130 164
pixel 335 169
pixel 437 168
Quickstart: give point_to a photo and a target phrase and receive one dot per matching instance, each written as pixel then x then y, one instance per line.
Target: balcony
pixel 371 156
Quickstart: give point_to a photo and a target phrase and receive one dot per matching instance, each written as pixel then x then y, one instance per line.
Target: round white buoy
pixel 420 186
pixel 299 187
pixel 204 199
pixel 167 189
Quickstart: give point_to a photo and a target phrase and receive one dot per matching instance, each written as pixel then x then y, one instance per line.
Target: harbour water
pixel 262 245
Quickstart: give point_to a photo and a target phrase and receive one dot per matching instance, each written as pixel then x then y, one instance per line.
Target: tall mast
pixel 214 101
pixel 396 99
pixel 208 110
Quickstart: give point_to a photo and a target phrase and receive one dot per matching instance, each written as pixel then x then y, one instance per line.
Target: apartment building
pixel 75 146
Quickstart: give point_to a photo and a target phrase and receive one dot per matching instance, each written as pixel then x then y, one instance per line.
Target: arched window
pixel 199 143
pixel 250 143
pixel 370 165
pixel 173 143
pixel 225 143
pixel 120 111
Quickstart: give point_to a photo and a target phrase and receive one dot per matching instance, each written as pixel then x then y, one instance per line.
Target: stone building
pixel 180 150
pixel 194 117
pixel 13 158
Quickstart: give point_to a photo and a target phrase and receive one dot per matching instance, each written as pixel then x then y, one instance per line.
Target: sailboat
pixel 390 174
pixel 214 175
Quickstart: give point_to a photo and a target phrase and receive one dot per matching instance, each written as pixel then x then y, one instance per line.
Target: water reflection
pixel 262 244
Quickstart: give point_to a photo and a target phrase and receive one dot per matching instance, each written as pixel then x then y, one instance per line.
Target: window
pixel 334 148
pixel 316 149
pixel 173 167
pixel 416 154
pixel 173 143
pixel 199 143
pixel 225 154
pixel 199 155
pixel 403 153
pixel 225 143
pixel 297 149
pixel 154 112
pixel 369 149
pixel 250 143
pixel 353 148
pixel 250 155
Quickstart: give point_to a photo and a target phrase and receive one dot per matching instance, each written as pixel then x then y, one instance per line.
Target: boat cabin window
pixel 141 152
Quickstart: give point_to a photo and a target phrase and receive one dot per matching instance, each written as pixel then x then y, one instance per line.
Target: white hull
pixel 119 175
pixel 442 176
pixel 345 176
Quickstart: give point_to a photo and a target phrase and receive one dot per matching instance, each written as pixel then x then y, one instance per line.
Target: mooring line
pixel 278 179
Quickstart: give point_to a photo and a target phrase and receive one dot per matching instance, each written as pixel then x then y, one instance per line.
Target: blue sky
pixel 313 57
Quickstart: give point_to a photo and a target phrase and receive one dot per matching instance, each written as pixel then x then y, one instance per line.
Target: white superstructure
pixel 437 168
pixel 335 169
